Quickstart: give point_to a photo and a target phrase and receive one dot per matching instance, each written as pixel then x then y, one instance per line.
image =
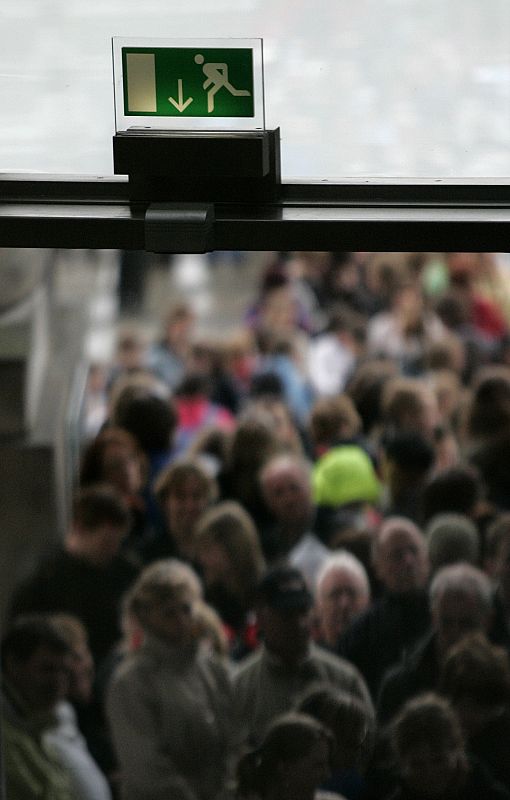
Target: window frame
pixel 73 211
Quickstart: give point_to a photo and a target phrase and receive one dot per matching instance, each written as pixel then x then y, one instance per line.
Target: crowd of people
pixel 287 572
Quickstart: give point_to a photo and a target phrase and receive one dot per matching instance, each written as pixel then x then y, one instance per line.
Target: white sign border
pixel 155 123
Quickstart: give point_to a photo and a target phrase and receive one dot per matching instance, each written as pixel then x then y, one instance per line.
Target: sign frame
pixel 153 123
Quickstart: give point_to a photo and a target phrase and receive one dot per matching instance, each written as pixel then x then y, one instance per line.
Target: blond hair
pixel 161 581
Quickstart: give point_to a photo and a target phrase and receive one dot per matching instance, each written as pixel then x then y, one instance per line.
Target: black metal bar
pixel 111 189
pixel 380 214
pixel 62 225
pixel 408 191
pixel 44 188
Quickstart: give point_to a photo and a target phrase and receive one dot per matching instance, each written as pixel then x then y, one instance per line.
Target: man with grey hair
pixel 343 592
pixel 379 637
pixel 452 538
pixel 460 603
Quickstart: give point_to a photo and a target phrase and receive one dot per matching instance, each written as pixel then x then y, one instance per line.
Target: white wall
pixel 375 87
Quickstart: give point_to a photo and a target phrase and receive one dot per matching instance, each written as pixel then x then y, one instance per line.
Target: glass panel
pixel 379 87
pixel 159 84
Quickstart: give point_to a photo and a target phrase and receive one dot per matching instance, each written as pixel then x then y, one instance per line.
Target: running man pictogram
pixel 216 79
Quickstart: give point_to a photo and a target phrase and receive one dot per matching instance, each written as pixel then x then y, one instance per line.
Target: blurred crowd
pixel 287 572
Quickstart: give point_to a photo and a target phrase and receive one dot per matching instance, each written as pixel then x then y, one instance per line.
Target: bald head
pixel 287 489
pixel 400 556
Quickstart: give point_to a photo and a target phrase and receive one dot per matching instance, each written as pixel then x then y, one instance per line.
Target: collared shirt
pixel 87 780
pixel 308 555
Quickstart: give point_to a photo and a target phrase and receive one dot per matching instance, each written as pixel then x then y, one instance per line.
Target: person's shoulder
pixel 324 343
pixel 333 662
pixel 367 621
pixel 339 670
pixel 65 714
pixel 483 784
pixel 51 563
pixel 381 321
pixel 45 579
pixel 309 545
pixel 133 668
pixel 155 351
pixel 245 668
pixel 395 675
pixel 159 546
pixel 413 661
pixel 410 676
pixel 123 569
pixel 219 666
pixel 308 555
pixel 372 614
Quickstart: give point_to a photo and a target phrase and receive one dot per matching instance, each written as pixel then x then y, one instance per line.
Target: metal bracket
pixel 203 167
pixel 179 228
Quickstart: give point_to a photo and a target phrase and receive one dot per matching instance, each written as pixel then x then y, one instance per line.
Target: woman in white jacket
pixel 169 703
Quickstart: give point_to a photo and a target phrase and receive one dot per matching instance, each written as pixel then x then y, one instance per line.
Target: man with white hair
pixel 460 603
pixel 343 592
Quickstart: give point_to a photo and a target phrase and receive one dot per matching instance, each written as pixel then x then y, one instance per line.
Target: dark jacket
pixel 417 673
pixel 500 628
pixel 383 634
pixel 73 585
pixel 491 745
pixel 480 785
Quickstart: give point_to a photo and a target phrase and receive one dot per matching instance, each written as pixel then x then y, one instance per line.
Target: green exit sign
pixel 175 86
pixel 194 82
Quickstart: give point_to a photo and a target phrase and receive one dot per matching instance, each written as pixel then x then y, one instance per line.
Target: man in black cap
pixel 269 681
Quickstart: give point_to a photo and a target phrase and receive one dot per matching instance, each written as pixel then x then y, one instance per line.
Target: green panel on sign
pixel 188 82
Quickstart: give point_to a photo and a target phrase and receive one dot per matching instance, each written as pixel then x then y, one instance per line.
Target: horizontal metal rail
pixel 352 214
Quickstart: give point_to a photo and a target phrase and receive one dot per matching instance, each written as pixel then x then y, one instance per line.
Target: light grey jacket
pixel 170 712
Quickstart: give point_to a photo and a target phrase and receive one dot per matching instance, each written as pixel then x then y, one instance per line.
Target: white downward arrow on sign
pixel 180 104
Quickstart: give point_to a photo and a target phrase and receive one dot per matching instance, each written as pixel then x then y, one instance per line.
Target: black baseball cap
pixel 284 588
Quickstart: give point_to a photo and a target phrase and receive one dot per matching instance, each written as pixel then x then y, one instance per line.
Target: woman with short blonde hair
pixel 169 704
